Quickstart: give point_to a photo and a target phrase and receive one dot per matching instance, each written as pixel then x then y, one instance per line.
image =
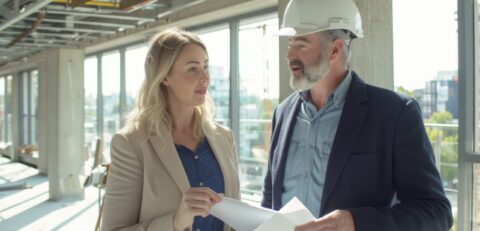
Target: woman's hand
pixel 195 202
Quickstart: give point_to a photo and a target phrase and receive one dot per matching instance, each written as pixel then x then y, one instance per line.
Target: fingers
pixel 199 201
pixel 204 191
pixel 313 226
pixel 338 220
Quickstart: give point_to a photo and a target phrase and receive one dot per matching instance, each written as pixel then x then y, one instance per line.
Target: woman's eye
pixel 192 69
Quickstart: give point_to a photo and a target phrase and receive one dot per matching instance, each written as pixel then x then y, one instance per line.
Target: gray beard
pixel 310 77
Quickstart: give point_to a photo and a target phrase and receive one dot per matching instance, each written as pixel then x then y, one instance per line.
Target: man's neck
pixel 324 87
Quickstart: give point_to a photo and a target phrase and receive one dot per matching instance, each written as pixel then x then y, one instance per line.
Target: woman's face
pixel 188 79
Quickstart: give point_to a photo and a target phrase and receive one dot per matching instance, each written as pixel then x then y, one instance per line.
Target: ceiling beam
pixel 50 28
pixel 29 10
pixel 178 5
pixel 70 36
pixel 28 31
pixel 100 15
pixel 106 24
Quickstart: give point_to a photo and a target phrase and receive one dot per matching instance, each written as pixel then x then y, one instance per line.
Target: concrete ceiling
pixel 30 26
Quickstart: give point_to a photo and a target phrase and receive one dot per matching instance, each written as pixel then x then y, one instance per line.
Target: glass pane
pixel 259 91
pixel 135 73
pixel 90 82
pixel 34 106
pixel 477 82
pixel 24 109
pixel 476 197
pixel 2 111
pixel 217 41
pixel 8 109
pixel 431 79
pixel 111 98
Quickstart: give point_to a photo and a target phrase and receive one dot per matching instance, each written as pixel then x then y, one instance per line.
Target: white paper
pixel 239 215
pixel 244 217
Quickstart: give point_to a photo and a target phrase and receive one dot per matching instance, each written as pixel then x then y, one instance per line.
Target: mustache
pixel 296 62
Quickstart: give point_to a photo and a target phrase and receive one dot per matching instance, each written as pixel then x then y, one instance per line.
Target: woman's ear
pixel 165 82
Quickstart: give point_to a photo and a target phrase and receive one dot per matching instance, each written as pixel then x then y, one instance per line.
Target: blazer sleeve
pixel 234 149
pixel 124 191
pixel 422 203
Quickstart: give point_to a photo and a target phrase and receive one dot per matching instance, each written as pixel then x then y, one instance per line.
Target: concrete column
pixel 63 95
pixel 372 56
pixel 284 81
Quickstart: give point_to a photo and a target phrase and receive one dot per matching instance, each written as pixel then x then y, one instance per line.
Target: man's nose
pixel 290 54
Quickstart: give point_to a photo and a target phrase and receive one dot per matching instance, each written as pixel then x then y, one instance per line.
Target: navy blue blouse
pixel 203 170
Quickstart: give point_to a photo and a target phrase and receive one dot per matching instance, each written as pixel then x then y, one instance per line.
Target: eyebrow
pixel 302 39
pixel 195 62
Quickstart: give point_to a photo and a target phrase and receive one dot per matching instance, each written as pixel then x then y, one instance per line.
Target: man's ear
pixel 337 48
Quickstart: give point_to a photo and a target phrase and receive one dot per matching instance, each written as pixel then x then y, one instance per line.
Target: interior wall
pixel 372 56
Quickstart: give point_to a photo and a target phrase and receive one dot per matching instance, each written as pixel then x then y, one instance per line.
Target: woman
pixel 170 161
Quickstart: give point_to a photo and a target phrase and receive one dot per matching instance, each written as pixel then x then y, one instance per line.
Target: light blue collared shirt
pixel 310 146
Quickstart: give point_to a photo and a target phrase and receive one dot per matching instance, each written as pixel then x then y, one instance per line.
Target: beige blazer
pixel 147 180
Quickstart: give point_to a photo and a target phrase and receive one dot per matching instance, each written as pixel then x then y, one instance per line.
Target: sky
pixel 425 40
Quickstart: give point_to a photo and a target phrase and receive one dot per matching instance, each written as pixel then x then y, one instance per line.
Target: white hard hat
pixel 308 16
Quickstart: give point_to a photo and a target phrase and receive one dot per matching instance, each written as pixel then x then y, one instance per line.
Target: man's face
pixel 307 60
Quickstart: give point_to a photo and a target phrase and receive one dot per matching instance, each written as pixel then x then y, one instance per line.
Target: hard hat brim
pixel 290 31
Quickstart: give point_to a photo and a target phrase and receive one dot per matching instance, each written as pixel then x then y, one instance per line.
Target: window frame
pixel 467 68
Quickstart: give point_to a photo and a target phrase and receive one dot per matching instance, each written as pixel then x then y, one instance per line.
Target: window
pixel 90 82
pixel 8 109
pixel 28 95
pixel 477 80
pixel 33 106
pixel 2 111
pixel 217 41
pixel 135 72
pixel 476 197
pixel 430 78
pixel 111 97
pixel 5 110
pixel 259 86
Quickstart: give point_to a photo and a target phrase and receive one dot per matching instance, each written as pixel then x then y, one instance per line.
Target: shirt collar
pixel 338 95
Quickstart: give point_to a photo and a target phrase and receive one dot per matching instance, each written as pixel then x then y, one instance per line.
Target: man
pixel 356 155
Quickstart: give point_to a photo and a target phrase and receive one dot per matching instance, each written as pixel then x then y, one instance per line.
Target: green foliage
pixel 440 117
pixel 404 91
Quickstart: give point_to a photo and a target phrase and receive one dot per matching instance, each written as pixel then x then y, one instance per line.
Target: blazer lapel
pixel 166 151
pixel 351 121
pixel 220 149
pixel 284 144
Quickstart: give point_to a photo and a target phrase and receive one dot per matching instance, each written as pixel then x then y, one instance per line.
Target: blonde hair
pixel 151 112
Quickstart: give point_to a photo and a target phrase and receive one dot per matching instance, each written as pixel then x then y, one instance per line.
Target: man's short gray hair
pixel 329 35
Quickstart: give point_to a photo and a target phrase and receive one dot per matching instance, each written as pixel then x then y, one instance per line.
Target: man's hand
pixel 338 220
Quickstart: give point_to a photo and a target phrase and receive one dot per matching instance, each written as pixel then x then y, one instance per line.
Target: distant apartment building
pixel 440 94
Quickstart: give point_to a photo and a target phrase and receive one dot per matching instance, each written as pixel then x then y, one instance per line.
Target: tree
pixel 445 141
pixel 440 117
pixel 404 91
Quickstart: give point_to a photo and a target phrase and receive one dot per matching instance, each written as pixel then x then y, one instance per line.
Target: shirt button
pixel 201 183
pixel 196 157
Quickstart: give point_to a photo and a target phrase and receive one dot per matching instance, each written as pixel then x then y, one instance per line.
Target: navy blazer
pixel 381 166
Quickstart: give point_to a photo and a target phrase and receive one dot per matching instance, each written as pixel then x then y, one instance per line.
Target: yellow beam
pixel 91 3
